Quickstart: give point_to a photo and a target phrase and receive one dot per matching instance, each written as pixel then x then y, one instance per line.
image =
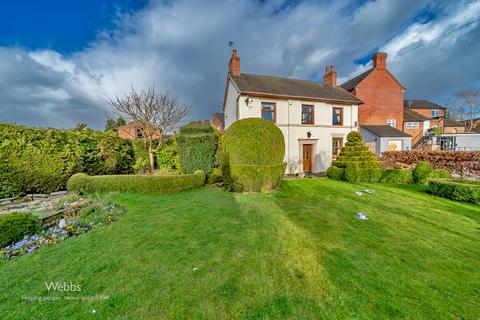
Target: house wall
pixel 434 122
pixel 383 99
pixel 454 130
pixel 371 139
pixel 230 108
pixel 289 120
pixel 384 142
pixel 416 134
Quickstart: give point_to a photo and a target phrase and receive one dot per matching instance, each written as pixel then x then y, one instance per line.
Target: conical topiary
pixel 356 152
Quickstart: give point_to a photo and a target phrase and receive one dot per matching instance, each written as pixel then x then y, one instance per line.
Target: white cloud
pixel 181 47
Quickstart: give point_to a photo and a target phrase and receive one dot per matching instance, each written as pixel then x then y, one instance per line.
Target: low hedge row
pixel 393 176
pixel 460 190
pixel 15 225
pixel 83 183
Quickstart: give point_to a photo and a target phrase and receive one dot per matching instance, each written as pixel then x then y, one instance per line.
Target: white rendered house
pixel 314 118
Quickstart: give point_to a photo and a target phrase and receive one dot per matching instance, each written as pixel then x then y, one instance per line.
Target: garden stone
pixel 358 193
pixel 361 216
pixel 369 191
pixel 58 193
pixel 40 195
pixel 62 223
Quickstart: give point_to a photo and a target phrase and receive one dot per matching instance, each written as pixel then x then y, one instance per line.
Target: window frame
pixel 274 110
pixel 435 113
pixel 416 125
pixel 334 155
pixel 311 112
pixel 341 116
pixel 394 121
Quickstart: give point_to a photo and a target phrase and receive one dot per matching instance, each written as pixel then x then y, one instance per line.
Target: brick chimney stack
pixel 234 64
pixel 330 76
pixel 380 60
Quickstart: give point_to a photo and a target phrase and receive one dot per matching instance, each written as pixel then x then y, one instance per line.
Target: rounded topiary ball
pixel 253 158
pixel 254 141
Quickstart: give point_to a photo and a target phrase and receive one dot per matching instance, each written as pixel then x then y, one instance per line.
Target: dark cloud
pixel 181 47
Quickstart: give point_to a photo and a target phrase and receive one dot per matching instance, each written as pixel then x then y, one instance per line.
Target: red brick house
pixel 134 130
pixel 381 94
pixel 384 103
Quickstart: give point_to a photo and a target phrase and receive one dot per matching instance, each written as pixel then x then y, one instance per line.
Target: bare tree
pixel 470 101
pixel 154 114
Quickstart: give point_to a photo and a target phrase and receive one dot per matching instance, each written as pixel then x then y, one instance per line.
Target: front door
pixel 307 158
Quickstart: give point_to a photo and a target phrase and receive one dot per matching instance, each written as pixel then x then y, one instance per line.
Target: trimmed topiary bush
pixel 396 176
pixel 197 145
pixel 253 156
pixel 421 172
pixel 356 152
pixel 351 172
pixel 460 190
pixel 335 173
pixel 83 183
pixel 16 225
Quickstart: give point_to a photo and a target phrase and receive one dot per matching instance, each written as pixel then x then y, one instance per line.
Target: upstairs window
pixel 268 111
pixel 412 125
pixel 307 114
pixel 337 117
pixel 435 113
pixel 392 123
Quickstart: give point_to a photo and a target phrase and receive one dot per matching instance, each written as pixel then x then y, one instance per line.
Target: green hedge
pixel 83 183
pixel 378 175
pixel 253 156
pixel 460 190
pixel 42 160
pixel 397 176
pixel 363 175
pixel 16 225
pixel 197 145
pixel 335 173
pixel 256 178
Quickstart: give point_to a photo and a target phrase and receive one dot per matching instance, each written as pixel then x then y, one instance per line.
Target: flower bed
pixel 95 215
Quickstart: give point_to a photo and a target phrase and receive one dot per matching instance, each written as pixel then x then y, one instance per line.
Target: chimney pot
pixel 380 60
pixel 234 64
pixel 330 76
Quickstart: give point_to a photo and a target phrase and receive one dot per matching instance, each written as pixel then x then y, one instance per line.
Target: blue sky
pixel 60 61
pixel 62 25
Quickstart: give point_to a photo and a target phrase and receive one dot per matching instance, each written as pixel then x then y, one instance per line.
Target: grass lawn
pixel 297 253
